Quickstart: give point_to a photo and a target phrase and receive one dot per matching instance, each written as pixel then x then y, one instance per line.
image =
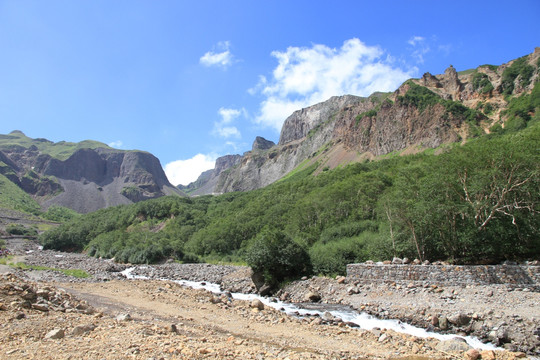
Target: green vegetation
pixel 8 260
pixel 523 110
pixel 473 203
pixel 60 214
pixel 60 150
pixel 423 98
pixel 13 197
pixel 481 83
pixel 18 229
pixel 369 113
pixel 519 68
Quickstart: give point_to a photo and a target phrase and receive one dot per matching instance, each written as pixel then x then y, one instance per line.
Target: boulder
pixel 455 345
pixel 257 304
pixel 312 296
pixel 472 354
pixel 459 319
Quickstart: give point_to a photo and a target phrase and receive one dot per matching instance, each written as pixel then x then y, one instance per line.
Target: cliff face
pixel 422 113
pixel 87 180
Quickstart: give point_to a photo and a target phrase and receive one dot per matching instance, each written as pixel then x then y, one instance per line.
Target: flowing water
pixel 343 312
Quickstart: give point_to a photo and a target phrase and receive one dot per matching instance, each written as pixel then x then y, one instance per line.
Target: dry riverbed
pixel 48 315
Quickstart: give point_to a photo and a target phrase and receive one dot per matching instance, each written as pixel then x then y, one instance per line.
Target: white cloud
pixel 223 127
pixel 306 76
pixel 116 144
pixel 420 48
pixel 186 171
pixel 222 58
pixel 415 40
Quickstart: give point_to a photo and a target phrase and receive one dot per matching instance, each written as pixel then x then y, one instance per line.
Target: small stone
pixel 172 328
pixel 435 320
pixel 397 261
pixel 257 304
pixel 383 337
pixel 472 354
pixel 55 334
pixel 487 355
pixel 20 316
pixel 41 307
pixel 340 279
pixel 82 329
pixel 124 317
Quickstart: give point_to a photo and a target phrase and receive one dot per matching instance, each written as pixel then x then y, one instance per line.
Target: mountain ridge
pixel 422 113
pixel 84 176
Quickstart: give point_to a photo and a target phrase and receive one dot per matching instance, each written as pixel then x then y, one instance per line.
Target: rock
pixel 443 323
pixel 265 290
pixel 82 329
pixel 397 261
pixel 459 319
pixel 487 355
pixel 328 316
pixel 172 328
pixel 257 304
pixel 124 317
pixel 312 296
pixel 383 337
pixel 353 290
pixel 55 334
pixel 435 320
pixel 455 345
pixel 406 261
pixel 472 354
pixel 341 279
pixel 41 307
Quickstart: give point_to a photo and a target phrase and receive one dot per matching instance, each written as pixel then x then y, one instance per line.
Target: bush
pixel 481 83
pixel 18 229
pixel 277 257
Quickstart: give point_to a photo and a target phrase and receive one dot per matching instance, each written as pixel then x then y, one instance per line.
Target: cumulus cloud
pixel 305 76
pixel 116 144
pixel 221 56
pixel 223 128
pixel 183 172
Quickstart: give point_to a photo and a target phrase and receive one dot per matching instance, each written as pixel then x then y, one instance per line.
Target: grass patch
pixel 8 260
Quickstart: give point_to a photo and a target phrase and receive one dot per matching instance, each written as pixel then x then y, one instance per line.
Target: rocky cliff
pixel 82 178
pixel 422 113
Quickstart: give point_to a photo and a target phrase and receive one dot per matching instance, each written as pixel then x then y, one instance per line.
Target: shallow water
pixel 343 312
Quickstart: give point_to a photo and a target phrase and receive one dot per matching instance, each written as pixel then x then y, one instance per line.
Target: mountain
pixel 84 176
pixel 421 114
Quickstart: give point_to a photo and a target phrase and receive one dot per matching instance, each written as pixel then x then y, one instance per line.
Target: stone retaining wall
pixel 518 275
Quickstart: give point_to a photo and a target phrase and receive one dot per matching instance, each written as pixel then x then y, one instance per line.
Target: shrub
pixel 277 257
pixel 18 229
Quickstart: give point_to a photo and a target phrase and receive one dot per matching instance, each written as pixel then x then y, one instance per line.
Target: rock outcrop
pixel 348 128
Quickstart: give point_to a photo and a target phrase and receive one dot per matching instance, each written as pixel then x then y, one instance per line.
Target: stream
pixel 343 312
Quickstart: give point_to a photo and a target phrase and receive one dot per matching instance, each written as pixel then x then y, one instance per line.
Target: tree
pixel 277 257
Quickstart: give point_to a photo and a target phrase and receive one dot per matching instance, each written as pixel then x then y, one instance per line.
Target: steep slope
pixel 84 176
pixel 422 113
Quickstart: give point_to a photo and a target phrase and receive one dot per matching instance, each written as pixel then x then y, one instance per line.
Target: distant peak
pixel 261 143
pixel 17 132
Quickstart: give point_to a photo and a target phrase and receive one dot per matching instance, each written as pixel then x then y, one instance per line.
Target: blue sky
pixel 192 80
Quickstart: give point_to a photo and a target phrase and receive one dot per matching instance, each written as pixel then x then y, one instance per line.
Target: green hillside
pixel 474 203
pixel 14 198
pixel 60 150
